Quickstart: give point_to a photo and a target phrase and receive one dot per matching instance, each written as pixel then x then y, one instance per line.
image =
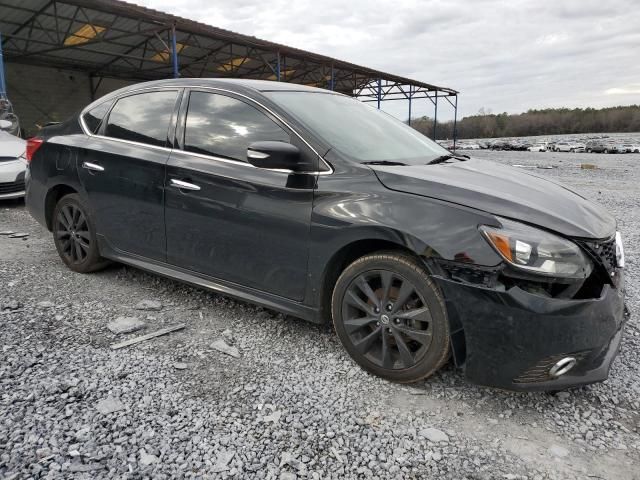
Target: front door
pixel 123 169
pixel 228 219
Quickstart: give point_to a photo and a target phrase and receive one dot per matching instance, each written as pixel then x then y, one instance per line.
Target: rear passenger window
pixel 223 126
pixel 93 118
pixel 143 118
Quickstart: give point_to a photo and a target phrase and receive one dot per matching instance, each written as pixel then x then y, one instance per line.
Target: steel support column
pixel 3 86
pixel 435 117
pixel 410 95
pixel 455 123
pixel 174 51
pixel 278 70
pixel 379 92
pixel 333 79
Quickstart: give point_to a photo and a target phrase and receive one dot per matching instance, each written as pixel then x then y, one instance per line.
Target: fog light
pixel 562 367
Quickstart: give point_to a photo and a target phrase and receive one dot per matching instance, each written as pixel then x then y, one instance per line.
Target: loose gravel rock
pixel 293 405
pixel 125 325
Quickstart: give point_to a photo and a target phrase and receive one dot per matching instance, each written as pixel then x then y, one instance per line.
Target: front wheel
pixel 75 237
pixel 390 317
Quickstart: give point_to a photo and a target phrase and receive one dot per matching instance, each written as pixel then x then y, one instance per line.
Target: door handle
pixel 94 167
pixel 182 185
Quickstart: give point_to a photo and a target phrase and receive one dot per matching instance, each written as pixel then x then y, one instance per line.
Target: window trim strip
pixel 238 162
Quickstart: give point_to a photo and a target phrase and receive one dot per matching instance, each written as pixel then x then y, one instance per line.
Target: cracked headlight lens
pixel 538 251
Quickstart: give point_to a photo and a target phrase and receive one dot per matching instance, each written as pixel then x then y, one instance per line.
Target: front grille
pixel 606 253
pixel 11 187
pixel 540 371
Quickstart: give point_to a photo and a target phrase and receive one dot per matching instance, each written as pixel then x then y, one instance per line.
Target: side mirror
pixel 277 155
pixel 5 124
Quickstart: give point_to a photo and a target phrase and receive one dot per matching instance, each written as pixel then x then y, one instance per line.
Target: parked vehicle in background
pixel 626 148
pixel 615 148
pixel 310 202
pixel 538 147
pixel 577 148
pixel 467 146
pixel 635 148
pixel 12 163
pixel 562 147
pixel 596 146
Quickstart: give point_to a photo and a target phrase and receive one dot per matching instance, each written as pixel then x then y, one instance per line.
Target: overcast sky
pixel 501 55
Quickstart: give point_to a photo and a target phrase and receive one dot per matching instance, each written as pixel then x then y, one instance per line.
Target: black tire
pixel 74 235
pixel 412 342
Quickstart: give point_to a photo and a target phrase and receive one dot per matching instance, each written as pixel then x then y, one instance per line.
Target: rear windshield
pixel 358 131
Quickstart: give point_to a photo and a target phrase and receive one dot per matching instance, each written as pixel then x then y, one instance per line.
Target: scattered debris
pixel 109 405
pixel 336 455
pixel 11 305
pixel 434 435
pixel 147 458
pixel 84 467
pixel 274 417
pixel 290 459
pixel 222 346
pixel 588 166
pixel 223 459
pixel 152 305
pixel 519 165
pixel 180 366
pixel 45 304
pixel 558 451
pixel 228 337
pixel 7 232
pixel 19 235
pixel 125 325
pixel 148 336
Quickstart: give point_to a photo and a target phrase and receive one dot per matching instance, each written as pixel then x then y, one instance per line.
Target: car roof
pixel 229 83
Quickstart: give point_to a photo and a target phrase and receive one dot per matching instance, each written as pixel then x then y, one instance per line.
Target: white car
pixel 577 148
pixel 562 147
pixel 628 148
pixel 12 163
pixel 538 147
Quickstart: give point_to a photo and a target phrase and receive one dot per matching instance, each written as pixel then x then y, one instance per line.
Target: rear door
pixel 122 169
pixel 233 221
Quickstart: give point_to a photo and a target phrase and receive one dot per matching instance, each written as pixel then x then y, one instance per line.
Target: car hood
pixel 505 191
pixel 11 146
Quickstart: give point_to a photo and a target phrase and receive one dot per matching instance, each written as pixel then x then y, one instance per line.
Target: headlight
pixel 619 251
pixel 537 251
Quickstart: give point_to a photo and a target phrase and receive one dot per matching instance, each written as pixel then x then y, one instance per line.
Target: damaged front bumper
pixel 512 337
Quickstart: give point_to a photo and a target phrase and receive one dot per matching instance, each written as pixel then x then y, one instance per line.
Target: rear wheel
pixel 74 236
pixel 390 317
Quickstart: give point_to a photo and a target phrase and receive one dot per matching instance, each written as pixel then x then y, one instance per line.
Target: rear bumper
pixel 512 337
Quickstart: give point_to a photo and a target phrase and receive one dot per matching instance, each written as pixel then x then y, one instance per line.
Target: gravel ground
pixel 287 402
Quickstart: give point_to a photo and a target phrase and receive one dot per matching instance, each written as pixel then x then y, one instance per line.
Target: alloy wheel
pixel 386 319
pixel 72 231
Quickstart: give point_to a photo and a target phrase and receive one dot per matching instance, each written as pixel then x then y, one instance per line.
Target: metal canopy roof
pixel 117 39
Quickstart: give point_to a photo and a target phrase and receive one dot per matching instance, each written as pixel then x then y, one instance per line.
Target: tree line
pixel 547 121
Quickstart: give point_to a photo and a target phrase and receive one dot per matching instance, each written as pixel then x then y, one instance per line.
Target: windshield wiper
pixel 444 158
pixel 385 162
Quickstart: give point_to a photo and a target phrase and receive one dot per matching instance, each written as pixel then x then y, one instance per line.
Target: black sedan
pixel 309 202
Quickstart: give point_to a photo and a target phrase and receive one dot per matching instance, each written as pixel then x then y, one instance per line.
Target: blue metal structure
pixel 3 85
pixel 117 39
pixel 174 51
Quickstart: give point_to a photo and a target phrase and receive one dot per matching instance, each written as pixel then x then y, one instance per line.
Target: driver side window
pixel 223 126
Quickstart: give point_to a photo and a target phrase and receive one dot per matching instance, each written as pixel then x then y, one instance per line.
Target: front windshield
pixel 356 130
